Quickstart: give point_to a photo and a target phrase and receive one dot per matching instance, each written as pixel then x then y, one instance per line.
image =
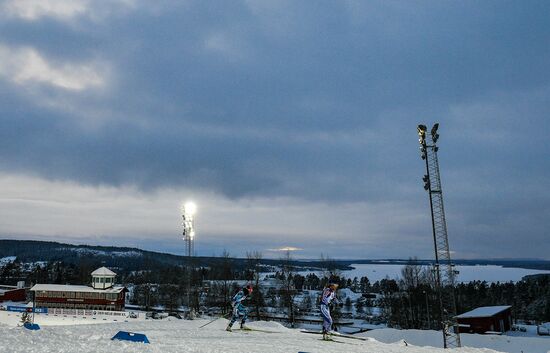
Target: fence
pixel 85 312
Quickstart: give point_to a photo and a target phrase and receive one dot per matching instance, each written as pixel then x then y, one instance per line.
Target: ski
pixel 335 335
pixel 331 340
pixel 255 329
pixel 348 336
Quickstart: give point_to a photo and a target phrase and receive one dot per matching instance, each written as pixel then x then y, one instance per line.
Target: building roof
pixel 103 271
pixel 73 288
pixel 484 311
pixel 4 288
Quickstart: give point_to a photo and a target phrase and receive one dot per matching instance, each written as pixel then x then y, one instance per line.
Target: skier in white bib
pixel 329 294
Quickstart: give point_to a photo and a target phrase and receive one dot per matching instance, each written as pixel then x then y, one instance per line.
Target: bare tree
pixel 287 289
pixel 412 274
pixel 254 260
pixel 330 268
pixel 226 277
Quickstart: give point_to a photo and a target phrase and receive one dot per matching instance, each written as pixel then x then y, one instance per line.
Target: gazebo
pixel 103 278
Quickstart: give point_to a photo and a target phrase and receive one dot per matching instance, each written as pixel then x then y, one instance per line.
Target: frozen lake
pixel 489 273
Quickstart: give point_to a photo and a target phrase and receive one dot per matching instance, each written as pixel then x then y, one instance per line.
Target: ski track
pixel 185 336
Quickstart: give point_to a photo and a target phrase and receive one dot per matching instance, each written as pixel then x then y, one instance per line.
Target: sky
pixel 291 125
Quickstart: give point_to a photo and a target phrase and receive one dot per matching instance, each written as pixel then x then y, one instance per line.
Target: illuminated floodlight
pixel 188 211
pixel 189 208
pixel 421 134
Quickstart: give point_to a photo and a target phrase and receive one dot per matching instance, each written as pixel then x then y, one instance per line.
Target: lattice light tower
pixel 444 268
pixel 188 211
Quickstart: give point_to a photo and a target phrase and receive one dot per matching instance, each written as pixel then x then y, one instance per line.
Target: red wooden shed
pixel 486 319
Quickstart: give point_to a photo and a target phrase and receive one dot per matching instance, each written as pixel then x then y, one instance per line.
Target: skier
pixel 238 307
pixel 329 294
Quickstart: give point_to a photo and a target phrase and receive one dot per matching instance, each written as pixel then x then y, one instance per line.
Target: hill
pixel 185 336
pixel 129 259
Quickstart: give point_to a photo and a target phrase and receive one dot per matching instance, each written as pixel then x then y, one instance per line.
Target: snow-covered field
pixel 172 335
pixel 10 318
pixel 511 344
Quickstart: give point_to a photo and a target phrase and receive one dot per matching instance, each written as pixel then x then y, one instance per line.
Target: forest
pixel 407 302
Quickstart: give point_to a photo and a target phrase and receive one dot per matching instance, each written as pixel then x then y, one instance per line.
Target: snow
pixel 345 293
pixel 427 338
pixel 103 271
pixel 11 318
pixel 484 311
pixel 172 335
pixel 85 251
pixel 6 260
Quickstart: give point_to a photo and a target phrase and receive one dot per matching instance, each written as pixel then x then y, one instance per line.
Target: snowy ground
pixel 433 338
pixel 10 318
pixel 172 335
pixel 73 334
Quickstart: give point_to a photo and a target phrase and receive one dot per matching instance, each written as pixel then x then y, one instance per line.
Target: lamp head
pixel 422 130
pixel 189 208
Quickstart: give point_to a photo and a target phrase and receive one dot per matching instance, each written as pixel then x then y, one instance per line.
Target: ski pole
pixel 209 322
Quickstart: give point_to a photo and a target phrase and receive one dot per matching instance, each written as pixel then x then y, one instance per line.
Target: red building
pixel 12 293
pixel 486 319
pixel 101 295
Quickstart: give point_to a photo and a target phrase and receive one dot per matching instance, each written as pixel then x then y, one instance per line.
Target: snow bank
pixel 427 338
pixel 185 336
pixel 345 293
pixel 10 318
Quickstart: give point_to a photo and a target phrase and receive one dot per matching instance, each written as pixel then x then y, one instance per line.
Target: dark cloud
pixel 316 100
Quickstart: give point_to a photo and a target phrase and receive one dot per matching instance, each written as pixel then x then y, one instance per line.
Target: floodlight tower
pixel 444 268
pixel 188 211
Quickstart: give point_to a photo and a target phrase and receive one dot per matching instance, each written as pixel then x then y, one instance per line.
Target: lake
pixel 489 273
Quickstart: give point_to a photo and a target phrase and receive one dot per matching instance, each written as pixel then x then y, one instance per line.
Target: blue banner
pixel 21 309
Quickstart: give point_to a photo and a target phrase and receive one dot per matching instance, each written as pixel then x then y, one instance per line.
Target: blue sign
pixel 31 326
pixel 22 309
pixel 130 336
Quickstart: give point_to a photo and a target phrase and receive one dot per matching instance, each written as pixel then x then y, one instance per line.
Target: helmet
pixel 250 288
pixel 333 285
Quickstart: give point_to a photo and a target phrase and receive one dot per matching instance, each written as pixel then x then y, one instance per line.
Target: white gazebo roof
pixel 103 271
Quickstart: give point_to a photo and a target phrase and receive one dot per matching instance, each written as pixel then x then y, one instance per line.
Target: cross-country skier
pixel 238 307
pixel 329 294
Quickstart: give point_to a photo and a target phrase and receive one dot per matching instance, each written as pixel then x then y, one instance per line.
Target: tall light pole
pixel 444 269
pixel 188 211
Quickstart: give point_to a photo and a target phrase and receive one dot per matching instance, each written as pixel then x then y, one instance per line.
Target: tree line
pixel 408 302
